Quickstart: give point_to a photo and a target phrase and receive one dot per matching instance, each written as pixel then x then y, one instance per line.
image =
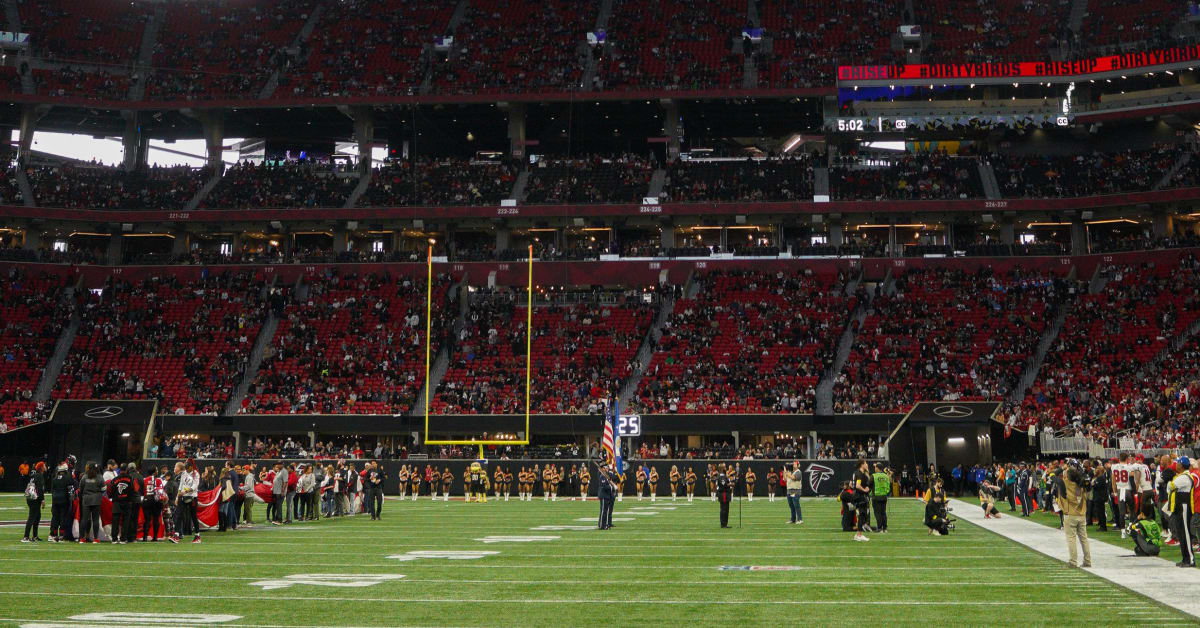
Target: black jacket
pixel 90 491
pixel 40 483
pixel 724 488
pixel 62 485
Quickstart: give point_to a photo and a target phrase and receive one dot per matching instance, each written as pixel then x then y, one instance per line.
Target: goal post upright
pixel 528 360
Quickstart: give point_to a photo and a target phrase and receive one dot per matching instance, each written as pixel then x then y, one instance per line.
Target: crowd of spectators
pixel 366 48
pixel 78 83
pixel 288 185
pixel 671 44
pixel 847 448
pixel 749 342
pixel 810 39
pixel 359 48
pixel 95 186
pixel 428 181
pixel 946 334
pixel 208 51
pixel 353 345
pixel 185 343
pixel 777 179
pixel 32 315
pixel 516 46
pixel 589 347
pixel 590 179
pixel 1101 378
pixel 1085 174
pixel 915 176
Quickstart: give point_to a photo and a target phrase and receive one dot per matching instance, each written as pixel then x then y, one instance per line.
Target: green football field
pixel 668 564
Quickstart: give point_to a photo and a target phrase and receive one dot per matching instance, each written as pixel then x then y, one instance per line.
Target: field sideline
pixel 662 566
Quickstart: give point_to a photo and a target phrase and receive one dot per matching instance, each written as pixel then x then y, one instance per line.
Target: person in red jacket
pixel 124 491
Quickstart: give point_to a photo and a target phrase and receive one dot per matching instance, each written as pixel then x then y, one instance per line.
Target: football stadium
pixel 367 313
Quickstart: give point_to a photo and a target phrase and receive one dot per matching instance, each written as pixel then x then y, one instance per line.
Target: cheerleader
pixel 498 482
pixel 751 478
pixel 711 479
pixel 690 480
pixel 772 483
pixel 673 477
pixel 414 483
pixel 653 481
pixel 403 474
pixel 435 484
pixel 640 481
pixel 547 477
pixel 621 486
pixel 447 480
pixel 508 482
pixel 585 480
pixel 535 476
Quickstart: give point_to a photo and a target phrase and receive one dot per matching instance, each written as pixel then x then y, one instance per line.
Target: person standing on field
pixel 795 488
pixel 1072 501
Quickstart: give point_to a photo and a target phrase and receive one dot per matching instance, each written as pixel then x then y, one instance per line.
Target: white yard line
pixel 552 600
pixel 1155 578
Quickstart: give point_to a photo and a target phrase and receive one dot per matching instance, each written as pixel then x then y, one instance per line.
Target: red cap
pixel 1141 458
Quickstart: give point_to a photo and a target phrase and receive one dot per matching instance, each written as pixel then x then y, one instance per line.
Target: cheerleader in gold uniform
pixel 498 482
pixel 447 482
pixel 674 479
pixel 712 482
pixel 772 483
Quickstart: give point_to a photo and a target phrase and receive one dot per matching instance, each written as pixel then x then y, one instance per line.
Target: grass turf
pixel 656 569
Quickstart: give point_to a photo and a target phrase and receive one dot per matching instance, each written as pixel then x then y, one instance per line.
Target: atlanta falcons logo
pixel 818 473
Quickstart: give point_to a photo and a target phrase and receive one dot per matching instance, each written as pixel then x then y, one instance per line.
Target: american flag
pixel 608 441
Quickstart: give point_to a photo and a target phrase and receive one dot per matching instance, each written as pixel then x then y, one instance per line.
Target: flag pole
pixel 739 475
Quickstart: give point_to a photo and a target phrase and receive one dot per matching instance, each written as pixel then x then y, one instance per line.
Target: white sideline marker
pixel 566 527
pixel 516 539
pixel 325 580
pixel 448 555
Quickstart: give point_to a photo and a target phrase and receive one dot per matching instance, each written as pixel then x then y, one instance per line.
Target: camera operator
pixel 795 487
pixel 1072 501
pixel 987 498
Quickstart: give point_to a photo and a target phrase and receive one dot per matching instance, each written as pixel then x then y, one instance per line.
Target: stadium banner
pixel 821 477
pixel 1020 71
pixel 103 412
pixel 953 412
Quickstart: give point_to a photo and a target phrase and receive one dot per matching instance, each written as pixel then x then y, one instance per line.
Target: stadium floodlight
pixel 524 440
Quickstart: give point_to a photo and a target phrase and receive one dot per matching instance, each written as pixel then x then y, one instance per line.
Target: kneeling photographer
pixel 937 516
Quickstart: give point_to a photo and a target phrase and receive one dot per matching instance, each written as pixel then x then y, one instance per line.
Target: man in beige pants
pixel 1072 499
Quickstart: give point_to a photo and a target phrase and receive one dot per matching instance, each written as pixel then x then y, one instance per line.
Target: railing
pixel 1066 444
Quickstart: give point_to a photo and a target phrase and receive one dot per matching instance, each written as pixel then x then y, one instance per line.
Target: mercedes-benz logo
pixel 103 412
pixel 952 412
